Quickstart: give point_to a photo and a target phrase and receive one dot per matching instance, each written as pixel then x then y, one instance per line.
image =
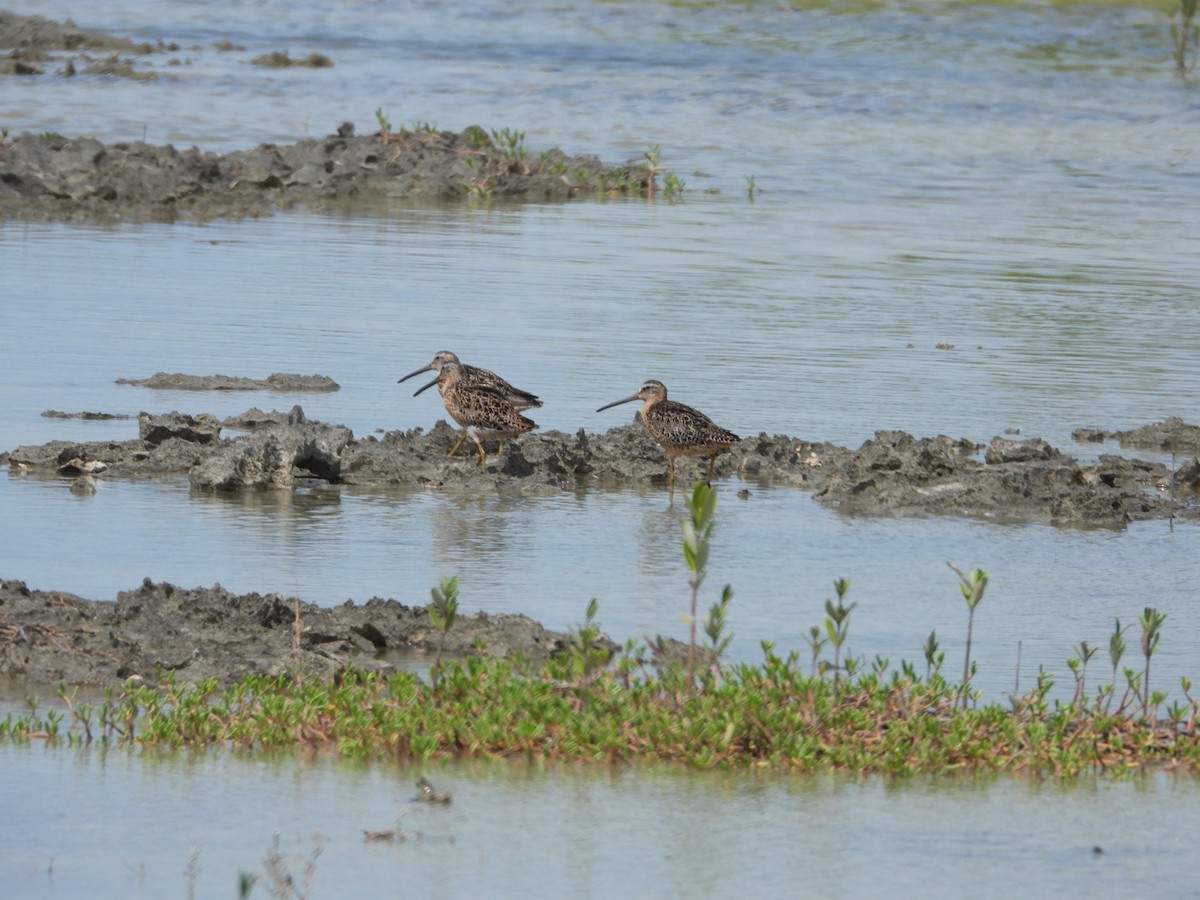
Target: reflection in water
pixel 475 529
pixel 131 822
pixel 298 508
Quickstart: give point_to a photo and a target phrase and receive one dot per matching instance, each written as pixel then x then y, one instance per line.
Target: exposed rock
pixel 201 429
pixel 1004 450
pixel 274 458
pixel 1173 435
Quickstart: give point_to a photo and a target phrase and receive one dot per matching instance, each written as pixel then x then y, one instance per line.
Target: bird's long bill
pixel 427 387
pixel 414 375
pixel 618 403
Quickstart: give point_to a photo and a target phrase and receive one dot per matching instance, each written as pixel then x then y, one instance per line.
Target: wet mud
pixel 158 630
pixel 52 177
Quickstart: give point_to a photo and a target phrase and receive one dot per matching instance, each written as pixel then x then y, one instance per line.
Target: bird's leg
pixel 461 438
pixel 671 480
pixel 482 451
pixel 712 461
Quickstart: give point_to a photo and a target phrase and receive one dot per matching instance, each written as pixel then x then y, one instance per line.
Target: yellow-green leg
pixel 461 438
pixel 482 452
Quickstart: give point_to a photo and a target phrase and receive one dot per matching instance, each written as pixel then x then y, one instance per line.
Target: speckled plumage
pixel 484 412
pixel 474 377
pixel 679 429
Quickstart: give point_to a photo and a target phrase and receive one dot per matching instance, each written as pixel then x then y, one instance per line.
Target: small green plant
pixel 673 186
pixel 1116 649
pixel 1151 622
pixel 751 188
pixel 837 624
pixel 972 587
pixel 697 536
pixel 443 610
pixel 385 125
pixel 1078 666
pixel 816 643
pixel 933 657
pixel 651 169
pixel 586 654
pixel 714 629
pixel 510 142
pixel 478 137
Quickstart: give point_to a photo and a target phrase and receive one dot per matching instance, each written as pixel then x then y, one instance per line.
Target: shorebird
pixel 679 430
pixel 472 377
pixel 484 412
pixel 429 794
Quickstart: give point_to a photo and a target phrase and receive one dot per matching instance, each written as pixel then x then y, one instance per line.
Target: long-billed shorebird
pixel 679 429
pixel 483 403
pixel 474 376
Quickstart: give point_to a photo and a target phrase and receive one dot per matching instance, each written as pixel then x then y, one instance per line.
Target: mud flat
pixel 158 629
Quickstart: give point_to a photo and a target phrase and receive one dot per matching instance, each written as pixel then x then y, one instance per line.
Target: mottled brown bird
pixel 484 410
pixel 679 429
pixel 474 376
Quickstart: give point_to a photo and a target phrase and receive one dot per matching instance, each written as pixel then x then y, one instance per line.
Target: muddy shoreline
pixel 158 631
pixel 52 177
pixel 48 637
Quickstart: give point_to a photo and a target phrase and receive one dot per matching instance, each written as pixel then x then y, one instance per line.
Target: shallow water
pixel 1018 184
pixel 523 831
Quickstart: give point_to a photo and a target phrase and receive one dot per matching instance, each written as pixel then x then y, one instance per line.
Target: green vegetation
pixel 591 704
pixel 767 715
pixel 673 185
pixel 443 610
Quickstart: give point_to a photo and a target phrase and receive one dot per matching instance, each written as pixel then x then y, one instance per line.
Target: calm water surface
pixel 1019 184
pixel 126 825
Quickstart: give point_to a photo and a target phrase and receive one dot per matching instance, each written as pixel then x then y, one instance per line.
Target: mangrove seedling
pixel 816 644
pixel 1116 649
pixel 837 624
pixel 972 587
pixel 1151 621
pixel 385 125
pixel 673 186
pixel 585 655
pixel 1078 666
pixel 714 628
pixel 933 658
pixel 697 535
pixel 443 610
